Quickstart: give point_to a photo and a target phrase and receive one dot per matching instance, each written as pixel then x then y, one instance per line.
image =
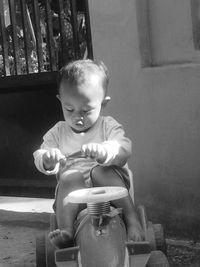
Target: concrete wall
pixel 159 107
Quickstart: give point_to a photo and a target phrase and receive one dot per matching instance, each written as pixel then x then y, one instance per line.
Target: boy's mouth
pixel 78 126
pixel 79 123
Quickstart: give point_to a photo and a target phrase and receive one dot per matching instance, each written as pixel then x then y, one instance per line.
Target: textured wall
pixel 159 107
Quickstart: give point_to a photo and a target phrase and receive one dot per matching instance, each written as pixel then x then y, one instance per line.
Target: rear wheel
pixel 40 251
pixel 53 222
pixel 160 238
pixel 157 259
pixel 50 253
pixel 50 249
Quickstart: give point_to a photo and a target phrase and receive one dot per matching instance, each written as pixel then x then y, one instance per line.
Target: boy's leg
pixel 106 176
pixel 66 213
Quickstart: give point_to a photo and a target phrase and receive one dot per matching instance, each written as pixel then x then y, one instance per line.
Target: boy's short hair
pixel 76 72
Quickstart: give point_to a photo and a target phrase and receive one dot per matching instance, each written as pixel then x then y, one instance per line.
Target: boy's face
pixel 81 104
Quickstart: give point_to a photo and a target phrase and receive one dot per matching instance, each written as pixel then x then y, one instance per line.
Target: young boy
pixel 83 94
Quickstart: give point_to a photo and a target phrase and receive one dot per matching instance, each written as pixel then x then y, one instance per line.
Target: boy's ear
pixel 105 101
pixel 58 96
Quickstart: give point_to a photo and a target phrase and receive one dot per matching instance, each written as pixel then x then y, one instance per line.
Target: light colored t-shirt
pixel 106 131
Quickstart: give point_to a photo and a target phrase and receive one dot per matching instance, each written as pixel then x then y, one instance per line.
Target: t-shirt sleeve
pixel 118 146
pixel 51 138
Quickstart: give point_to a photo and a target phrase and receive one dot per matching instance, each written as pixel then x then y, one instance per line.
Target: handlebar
pixel 77 154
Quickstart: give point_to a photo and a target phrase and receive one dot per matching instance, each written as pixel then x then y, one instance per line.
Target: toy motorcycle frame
pixel 100 239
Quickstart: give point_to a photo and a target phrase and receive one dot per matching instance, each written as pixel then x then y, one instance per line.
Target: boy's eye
pixel 88 110
pixel 69 109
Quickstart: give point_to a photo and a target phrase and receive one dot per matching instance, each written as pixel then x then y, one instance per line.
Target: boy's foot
pixel 61 238
pixel 135 233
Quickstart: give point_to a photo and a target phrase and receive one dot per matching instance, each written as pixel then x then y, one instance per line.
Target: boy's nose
pixel 79 117
pixel 79 121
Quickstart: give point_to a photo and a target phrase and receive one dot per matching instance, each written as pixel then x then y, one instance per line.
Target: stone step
pixel 25 211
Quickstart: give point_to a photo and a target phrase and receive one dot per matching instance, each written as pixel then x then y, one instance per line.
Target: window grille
pixel 38 36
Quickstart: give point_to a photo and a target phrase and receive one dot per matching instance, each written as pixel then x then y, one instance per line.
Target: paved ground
pixel 182 253
pixel 19 227
pixel 21 219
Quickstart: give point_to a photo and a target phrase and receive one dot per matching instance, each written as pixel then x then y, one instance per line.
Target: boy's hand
pixel 95 151
pixel 51 158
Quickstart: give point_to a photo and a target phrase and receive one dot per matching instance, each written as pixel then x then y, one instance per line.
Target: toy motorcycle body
pixel 100 239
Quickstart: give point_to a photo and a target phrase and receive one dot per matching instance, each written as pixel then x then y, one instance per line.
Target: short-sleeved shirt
pixel 106 131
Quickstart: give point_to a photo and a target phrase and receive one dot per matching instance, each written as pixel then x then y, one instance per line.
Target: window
pixel 38 36
pixel 169 32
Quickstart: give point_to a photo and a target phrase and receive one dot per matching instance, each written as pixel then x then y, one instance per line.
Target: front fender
pixel 102 246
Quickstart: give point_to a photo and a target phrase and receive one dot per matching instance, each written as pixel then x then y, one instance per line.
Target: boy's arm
pixel 118 146
pixel 50 140
pixel 38 160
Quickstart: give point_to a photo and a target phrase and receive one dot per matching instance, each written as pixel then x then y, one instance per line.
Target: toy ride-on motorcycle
pixel 100 239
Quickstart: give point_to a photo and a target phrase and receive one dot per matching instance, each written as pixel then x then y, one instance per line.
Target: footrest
pixel 139 253
pixel 135 248
pixel 69 255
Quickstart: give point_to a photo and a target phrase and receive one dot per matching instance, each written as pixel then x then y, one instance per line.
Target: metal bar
pixel 30 24
pixel 12 7
pixel 50 41
pixel 74 23
pixel 61 17
pixel 38 38
pixel 25 35
pixel 31 82
pixel 88 30
pixel 4 41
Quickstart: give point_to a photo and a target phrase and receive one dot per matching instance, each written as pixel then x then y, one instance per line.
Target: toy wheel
pixel 160 238
pixel 40 251
pixel 157 259
pixel 53 222
pixel 50 253
pixel 97 194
